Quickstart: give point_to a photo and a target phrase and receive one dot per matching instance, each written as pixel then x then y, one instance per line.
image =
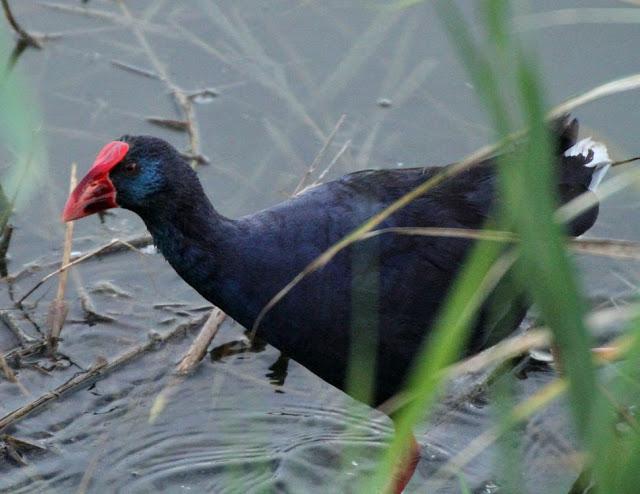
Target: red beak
pixel 95 192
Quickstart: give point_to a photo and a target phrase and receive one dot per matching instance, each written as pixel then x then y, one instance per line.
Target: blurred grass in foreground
pixel 22 147
pixel 508 81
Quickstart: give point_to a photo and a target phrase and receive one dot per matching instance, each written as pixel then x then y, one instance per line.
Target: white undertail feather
pixel 601 161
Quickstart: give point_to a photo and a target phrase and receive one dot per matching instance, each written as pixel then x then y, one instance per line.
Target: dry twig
pixel 199 346
pixel 58 308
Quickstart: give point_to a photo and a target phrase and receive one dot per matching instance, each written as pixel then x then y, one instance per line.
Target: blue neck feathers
pixel 200 245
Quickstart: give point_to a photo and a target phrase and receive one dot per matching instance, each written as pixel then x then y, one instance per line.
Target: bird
pixel 383 292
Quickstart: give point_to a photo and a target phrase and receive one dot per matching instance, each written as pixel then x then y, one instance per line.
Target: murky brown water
pixel 284 72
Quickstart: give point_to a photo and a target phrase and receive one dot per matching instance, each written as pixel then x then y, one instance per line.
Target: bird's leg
pixel 403 471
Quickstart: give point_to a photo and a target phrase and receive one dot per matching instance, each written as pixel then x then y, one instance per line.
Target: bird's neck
pixel 198 242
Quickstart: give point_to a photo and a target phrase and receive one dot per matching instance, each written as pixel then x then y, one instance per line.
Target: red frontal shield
pixel 95 192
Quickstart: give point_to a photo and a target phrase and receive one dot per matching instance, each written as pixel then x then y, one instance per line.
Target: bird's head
pixel 134 172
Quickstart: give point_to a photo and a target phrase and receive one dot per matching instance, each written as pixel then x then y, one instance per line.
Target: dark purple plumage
pixel 387 288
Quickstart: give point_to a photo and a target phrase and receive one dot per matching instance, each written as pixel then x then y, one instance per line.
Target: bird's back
pixel 385 290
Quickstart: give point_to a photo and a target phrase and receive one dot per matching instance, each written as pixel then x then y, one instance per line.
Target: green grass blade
pixel 530 191
pixel 480 275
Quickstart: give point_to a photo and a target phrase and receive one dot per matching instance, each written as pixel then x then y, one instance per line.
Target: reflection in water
pixel 238 347
pixel 277 371
pixel 18 50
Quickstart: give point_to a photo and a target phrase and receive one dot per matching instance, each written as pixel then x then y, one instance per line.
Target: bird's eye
pixel 131 168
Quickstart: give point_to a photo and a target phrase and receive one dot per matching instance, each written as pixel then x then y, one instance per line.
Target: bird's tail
pixel 583 164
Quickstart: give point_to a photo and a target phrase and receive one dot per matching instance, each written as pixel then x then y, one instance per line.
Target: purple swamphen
pixel 383 292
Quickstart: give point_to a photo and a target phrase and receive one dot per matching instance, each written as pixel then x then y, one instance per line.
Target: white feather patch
pixel 601 161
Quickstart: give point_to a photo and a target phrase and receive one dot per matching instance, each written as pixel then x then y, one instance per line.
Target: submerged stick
pixel 99 369
pixel 133 69
pixel 24 36
pixel 24 351
pixel 169 123
pixel 91 314
pixel 58 308
pixel 11 376
pixel 9 321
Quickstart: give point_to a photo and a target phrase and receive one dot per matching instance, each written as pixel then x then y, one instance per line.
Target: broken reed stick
pixel 24 351
pixel 198 348
pixel 58 308
pixel 23 35
pixel 100 368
